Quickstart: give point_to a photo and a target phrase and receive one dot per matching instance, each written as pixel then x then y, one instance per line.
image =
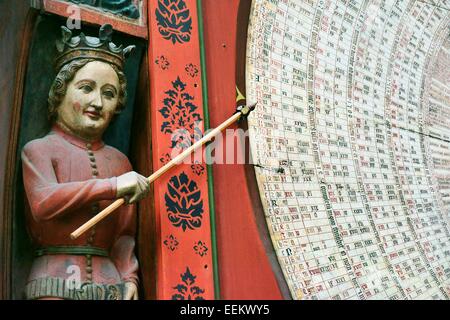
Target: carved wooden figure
pixel 70 175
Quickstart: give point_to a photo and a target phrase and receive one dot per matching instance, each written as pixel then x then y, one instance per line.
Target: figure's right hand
pixel 132 186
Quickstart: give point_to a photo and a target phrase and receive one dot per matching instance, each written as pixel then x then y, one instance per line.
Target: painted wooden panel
pixel 183 247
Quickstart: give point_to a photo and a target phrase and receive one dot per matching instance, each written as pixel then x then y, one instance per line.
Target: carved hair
pixel 67 73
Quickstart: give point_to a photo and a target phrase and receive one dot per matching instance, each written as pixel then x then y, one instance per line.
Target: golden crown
pixel 85 47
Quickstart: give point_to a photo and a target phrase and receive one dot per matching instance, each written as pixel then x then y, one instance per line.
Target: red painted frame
pixel 172 264
pixel 247 269
pixel 135 27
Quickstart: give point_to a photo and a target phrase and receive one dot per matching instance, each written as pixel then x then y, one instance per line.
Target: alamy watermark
pixel 73 281
pixel 231 146
pixel 74 18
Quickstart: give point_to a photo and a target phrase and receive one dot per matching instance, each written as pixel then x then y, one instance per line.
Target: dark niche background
pixel 34 122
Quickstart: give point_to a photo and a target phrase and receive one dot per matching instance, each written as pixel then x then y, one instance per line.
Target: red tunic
pixel 67 181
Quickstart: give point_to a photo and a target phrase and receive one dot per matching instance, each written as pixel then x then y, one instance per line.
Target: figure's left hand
pixel 131 291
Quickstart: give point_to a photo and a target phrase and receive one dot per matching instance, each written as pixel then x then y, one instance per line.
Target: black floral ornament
pixel 162 62
pixel 182 120
pixel 197 168
pixel 184 202
pixel 186 290
pixel 171 243
pixel 165 158
pixel 200 248
pixel 174 20
pixel 191 70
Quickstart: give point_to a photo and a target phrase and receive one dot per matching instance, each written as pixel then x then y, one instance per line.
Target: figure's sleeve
pixel 47 197
pixel 122 251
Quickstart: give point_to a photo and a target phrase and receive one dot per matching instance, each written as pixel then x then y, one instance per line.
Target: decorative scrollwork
pixel 174 20
pixel 187 290
pixel 182 120
pixel 184 203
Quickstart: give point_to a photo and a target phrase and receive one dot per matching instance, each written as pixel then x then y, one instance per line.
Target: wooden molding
pixel 141 151
pixel 136 27
pixel 11 161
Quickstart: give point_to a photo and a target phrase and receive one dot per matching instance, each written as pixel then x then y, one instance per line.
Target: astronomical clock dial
pixel 354 107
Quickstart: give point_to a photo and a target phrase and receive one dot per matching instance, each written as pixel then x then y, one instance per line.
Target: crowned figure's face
pixel 90 102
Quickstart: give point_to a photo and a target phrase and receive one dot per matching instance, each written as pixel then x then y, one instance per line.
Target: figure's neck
pixel 75 140
pixel 67 130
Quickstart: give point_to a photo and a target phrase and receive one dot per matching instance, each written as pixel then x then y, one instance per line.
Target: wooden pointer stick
pixel 242 111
